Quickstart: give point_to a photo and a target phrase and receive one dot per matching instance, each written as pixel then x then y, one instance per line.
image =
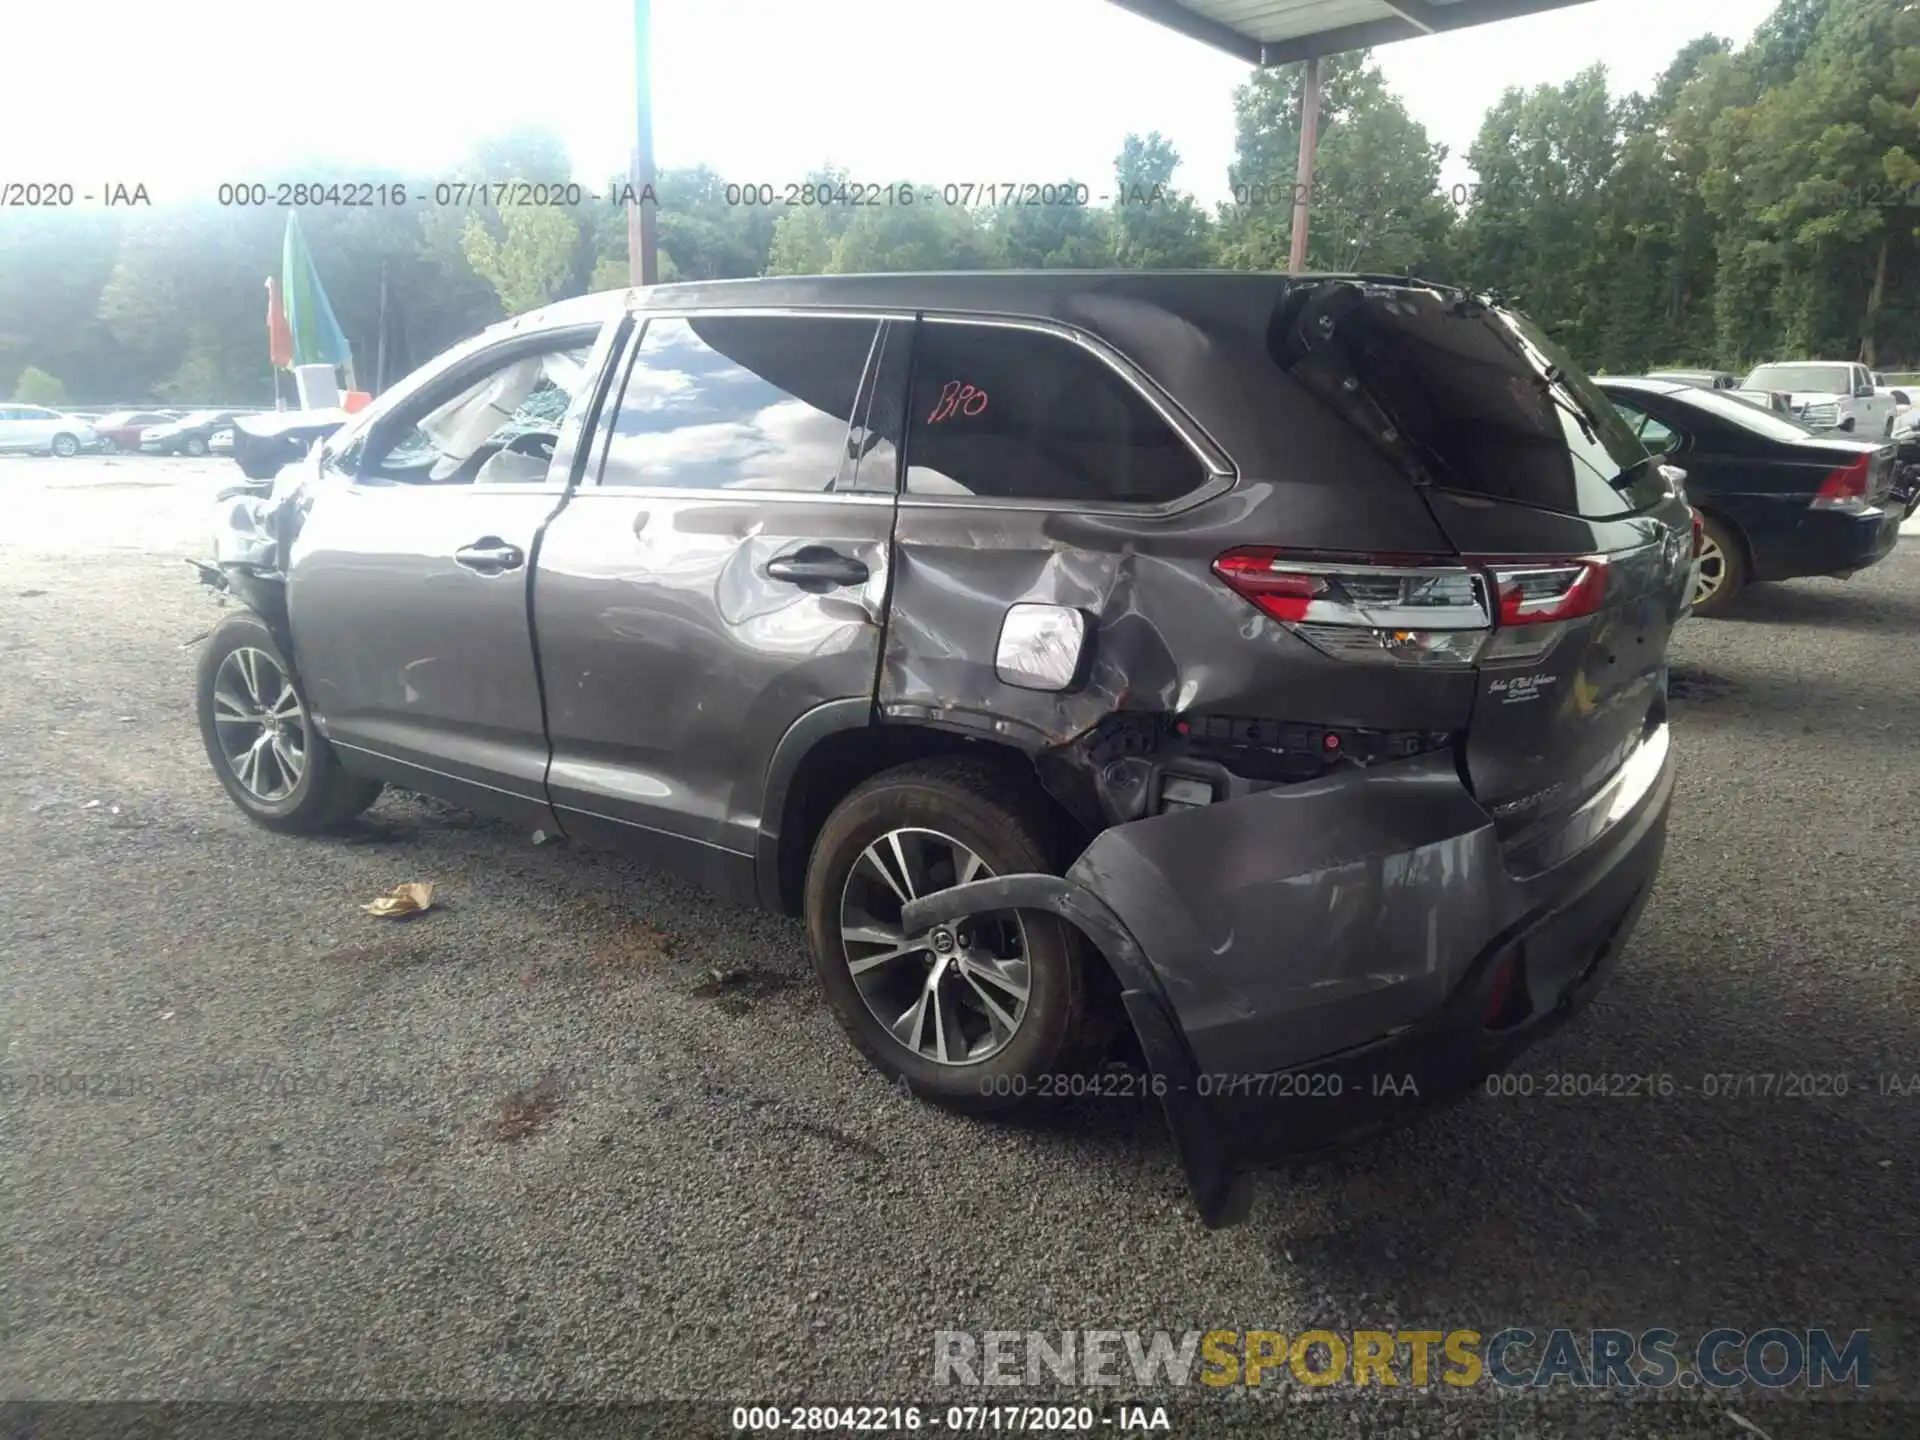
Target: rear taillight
pixel 1448 613
pixel 1845 489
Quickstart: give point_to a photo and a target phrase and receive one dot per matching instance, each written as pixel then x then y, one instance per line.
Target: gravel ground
pixel 584 1132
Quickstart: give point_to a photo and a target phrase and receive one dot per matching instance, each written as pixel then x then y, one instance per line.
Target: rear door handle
pixel 816 566
pixel 490 555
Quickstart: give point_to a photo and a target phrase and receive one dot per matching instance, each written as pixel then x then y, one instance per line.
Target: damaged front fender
pixel 253 535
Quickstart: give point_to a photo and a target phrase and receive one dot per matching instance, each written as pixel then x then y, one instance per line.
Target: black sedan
pixel 191 434
pixel 1776 501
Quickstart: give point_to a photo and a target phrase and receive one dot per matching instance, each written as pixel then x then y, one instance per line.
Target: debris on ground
pixel 525 1111
pixel 408 899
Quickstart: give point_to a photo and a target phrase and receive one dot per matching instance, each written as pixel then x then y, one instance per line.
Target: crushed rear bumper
pixel 1308 966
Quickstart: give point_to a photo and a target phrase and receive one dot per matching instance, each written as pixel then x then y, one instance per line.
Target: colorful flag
pixel 279 337
pixel 317 337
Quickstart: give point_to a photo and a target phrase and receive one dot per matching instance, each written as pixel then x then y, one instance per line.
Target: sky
pixel 761 90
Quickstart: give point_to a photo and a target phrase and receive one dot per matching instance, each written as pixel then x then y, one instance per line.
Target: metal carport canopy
pixel 1281 32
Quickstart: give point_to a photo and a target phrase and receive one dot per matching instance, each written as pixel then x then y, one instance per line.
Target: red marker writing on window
pixel 954 396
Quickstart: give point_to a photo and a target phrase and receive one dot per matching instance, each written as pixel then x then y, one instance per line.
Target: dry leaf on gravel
pixel 408 899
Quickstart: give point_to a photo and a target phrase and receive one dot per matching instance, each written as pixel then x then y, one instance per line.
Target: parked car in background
pixel 262 444
pixel 191 434
pixel 1325 621
pixel 122 429
pixel 1901 396
pixel 1776 500
pixel 37 430
pixel 1700 379
pixel 1829 395
pixel 1777 402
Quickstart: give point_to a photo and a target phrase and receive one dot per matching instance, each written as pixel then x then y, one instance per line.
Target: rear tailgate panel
pixel 1546 733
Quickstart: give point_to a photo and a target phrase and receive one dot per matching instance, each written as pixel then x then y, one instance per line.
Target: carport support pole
pixel 642 254
pixel 1303 175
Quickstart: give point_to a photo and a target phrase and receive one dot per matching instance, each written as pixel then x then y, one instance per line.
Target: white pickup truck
pixel 1830 395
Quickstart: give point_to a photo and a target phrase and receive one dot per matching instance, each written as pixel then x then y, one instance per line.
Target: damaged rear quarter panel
pixel 1166 636
pixel 1300 921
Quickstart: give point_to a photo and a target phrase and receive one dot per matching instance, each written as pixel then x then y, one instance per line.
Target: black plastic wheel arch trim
pixel 1222 1194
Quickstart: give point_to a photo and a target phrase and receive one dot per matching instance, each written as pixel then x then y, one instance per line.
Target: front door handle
pixel 815 566
pixel 490 555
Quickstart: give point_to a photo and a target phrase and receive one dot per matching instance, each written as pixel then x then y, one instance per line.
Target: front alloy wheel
pixel 261 724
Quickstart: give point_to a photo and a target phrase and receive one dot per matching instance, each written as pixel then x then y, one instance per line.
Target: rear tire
pixel 1723 568
pixel 924 826
pixel 264 747
pixel 194 446
pixel 66 446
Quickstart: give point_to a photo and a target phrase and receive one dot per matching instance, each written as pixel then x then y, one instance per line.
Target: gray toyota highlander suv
pixel 1271 668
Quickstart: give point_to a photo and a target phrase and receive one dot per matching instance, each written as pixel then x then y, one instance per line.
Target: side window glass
pixel 740 402
pixel 497 428
pixel 1004 413
pixel 875 441
pixel 1658 438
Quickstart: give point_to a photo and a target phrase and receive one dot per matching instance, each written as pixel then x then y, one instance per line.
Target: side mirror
pixel 1865 392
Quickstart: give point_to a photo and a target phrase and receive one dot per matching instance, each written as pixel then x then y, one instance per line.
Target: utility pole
pixel 1303 177
pixel 642 254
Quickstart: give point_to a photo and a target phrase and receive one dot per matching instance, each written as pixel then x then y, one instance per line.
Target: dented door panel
pixel 672 660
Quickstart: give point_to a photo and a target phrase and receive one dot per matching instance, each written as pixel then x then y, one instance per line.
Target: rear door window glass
pixel 998 412
pixel 740 402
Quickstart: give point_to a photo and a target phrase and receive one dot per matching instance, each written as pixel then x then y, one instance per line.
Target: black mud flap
pixel 1222 1194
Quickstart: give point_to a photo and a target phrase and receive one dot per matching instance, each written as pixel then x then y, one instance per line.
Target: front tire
pixel 261 739
pixel 1723 568
pixel 974 1017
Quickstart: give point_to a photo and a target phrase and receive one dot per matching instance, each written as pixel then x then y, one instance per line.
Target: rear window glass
pixel 1746 415
pixel 1006 413
pixel 1466 397
pixel 1807 379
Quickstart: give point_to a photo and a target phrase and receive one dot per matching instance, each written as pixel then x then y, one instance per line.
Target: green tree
pixel 1544 158
pixel 1055 237
pixel 921 236
pixel 528 264
pixel 1376 202
pixel 36 387
pixel 1156 226
pixel 1814 239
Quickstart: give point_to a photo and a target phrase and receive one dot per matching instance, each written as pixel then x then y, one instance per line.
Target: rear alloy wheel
pixel 263 744
pixel 66 446
pixel 1722 572
pixel 195 446
pixel 953 996
pixel 976 1015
